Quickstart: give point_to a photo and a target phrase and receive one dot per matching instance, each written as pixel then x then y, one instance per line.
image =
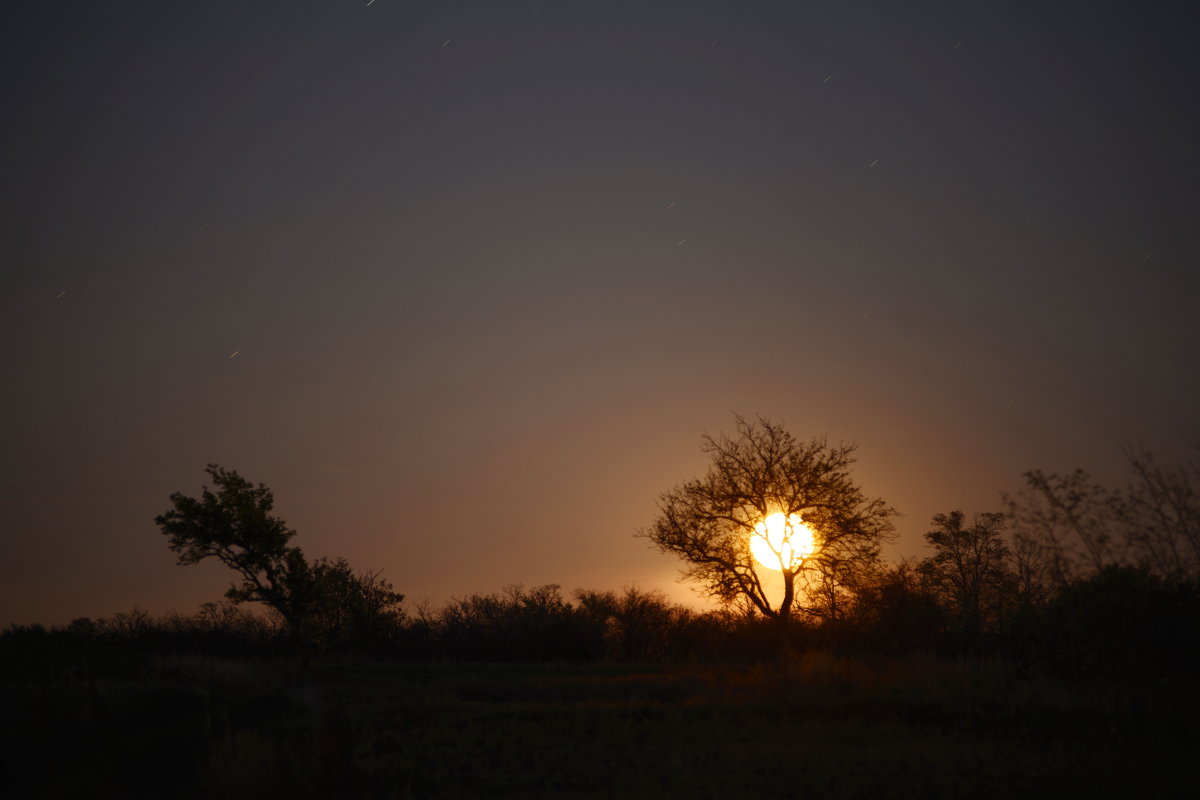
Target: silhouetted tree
pixel 970 567
pixel 762 471
pixel 829 587
pixel 234 525
pixel 1159 512
pixel 1070 516
pixel 324 602
pixel 339 607
pixel 1031 571
pixel 1080 527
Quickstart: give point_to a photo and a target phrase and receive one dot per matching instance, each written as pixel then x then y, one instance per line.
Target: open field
pixel 819 727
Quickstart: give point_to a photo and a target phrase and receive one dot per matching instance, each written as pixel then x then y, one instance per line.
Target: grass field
pixel 819 727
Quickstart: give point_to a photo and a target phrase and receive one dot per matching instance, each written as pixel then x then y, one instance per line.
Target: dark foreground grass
pixel 819 727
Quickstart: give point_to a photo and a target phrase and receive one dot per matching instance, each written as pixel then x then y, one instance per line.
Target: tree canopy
pixel 761 471
pixel 233 524
pixel 971 567
pixel 325 601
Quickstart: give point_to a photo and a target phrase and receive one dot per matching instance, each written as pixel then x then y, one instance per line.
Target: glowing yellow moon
pixel 780 540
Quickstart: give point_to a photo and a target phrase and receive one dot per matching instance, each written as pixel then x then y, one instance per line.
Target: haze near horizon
pixel 465 284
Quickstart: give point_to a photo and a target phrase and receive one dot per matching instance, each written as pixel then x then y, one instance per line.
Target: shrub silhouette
pixel 515 624
pixel 1122 622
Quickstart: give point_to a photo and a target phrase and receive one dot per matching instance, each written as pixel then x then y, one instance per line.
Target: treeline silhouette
pixel 1072 579
pixel 517 624
pixel 1120 622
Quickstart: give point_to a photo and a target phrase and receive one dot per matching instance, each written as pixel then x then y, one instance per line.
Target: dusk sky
pixel 465 282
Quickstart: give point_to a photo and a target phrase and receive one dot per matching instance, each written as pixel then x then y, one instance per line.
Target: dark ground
pixel 163 726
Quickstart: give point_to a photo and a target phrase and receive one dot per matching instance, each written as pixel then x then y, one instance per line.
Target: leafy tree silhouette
pixel 970 568
pixel 340 607
pixel 325 601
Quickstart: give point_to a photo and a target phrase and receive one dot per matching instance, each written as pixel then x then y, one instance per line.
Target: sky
pixel 465 283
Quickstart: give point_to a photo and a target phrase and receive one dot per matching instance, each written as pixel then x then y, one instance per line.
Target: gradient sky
pixel 490 269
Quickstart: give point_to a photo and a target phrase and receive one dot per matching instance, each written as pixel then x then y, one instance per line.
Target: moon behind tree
pixel 781 539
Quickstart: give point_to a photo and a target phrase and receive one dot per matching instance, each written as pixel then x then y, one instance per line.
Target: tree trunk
pixel 784 618
pixel 789 594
